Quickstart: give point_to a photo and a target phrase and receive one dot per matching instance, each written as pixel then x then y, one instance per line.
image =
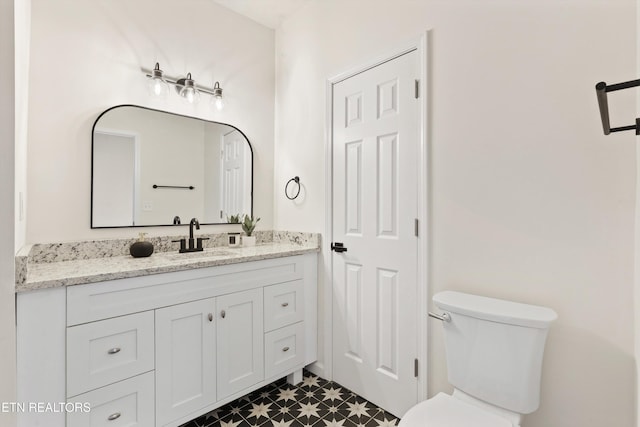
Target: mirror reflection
pixel 152 168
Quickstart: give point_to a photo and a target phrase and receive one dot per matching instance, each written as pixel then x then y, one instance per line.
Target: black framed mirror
pixel 154 168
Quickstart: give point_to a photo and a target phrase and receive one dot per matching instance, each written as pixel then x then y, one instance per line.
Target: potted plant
pixel 233 219
pixel 248 225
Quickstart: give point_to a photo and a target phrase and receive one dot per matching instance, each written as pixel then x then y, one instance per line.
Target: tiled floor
pixel 314 402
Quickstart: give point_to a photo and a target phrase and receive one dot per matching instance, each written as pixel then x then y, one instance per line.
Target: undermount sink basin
pixel 207 253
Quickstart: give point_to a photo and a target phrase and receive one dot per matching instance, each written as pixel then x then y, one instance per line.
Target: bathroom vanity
pixel 161 340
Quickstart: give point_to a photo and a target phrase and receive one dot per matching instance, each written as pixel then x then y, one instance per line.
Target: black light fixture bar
pixel 601 92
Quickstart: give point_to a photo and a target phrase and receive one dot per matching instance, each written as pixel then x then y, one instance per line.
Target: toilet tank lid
pixel 495 310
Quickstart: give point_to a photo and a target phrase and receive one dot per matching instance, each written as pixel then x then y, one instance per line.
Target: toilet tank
pixel 494 348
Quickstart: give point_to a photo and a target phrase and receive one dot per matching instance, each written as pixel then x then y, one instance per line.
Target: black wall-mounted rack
pixel 191 187
pixel 601 91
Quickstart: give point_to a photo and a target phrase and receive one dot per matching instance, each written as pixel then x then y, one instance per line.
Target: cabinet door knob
pixel 113 417
pixel 114 350
pixel 223 314
pixel 285 304
pixel 210 317
pixel 285 349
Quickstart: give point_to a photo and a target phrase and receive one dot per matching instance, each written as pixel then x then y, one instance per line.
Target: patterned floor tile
pixel 314 402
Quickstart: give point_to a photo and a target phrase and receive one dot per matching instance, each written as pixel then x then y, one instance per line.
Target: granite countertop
pixel 33 273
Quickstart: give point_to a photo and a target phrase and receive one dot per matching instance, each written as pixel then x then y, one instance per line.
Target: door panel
pixel 375 193
pixel 236 175
pixel 240 341
pixel 185 359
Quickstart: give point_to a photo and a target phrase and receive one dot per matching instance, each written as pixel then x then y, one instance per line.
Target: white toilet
pixel 494 354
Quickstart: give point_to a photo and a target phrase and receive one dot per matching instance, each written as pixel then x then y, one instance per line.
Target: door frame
pixel 420 45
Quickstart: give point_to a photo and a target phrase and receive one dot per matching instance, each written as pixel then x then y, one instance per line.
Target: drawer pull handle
pixel 114 350
pixel 210 317
pixel 113 417
pixel 223 314
pixel 285 349
pixel 285 304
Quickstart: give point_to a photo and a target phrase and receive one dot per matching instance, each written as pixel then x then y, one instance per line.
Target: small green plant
pixel 249 224
pixel 233 219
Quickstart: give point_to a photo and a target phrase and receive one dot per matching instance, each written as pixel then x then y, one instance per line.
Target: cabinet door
pixel 185 359
pixel 240 341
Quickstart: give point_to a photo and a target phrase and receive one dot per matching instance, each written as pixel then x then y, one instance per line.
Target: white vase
pixel 248 240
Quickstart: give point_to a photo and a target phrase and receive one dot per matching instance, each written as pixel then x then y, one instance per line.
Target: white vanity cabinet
pixel 159 350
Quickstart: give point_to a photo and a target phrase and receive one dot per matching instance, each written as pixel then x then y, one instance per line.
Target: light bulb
pixel 157 85
pixel 158 88
pixel 217 96
pixel 190 96
pixel 189 92
pixel 219 102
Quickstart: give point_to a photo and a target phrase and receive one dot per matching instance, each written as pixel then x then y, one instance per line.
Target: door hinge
pixel 417 87
pixel 415 368
pixel 416 228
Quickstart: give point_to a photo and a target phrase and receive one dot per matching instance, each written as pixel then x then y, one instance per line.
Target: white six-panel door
pixel 236 175
pixel 375 184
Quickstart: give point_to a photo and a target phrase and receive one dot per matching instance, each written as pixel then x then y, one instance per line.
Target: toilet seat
pixel 444 410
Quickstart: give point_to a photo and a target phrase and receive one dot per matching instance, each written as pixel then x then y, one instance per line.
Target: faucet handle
pixel 199 243
pixel 183 244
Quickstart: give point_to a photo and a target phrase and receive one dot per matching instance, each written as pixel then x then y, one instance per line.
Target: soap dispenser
pixel 141 248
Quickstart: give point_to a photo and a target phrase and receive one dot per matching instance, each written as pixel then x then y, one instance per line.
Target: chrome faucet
pixel 191 247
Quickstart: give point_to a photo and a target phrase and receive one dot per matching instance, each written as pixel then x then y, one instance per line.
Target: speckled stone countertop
pixel 65 264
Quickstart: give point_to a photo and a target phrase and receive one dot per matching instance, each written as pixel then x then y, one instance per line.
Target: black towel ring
pixel 295 179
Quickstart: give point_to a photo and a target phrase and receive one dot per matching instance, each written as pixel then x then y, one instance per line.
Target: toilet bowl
pixel 444 410
pixel 494 352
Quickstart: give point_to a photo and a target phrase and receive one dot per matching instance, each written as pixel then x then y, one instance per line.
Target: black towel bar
pixel 601 92
pixel 190 187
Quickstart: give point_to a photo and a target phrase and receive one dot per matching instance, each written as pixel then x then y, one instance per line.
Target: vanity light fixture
pixel 186 87
pixel 217 96
pixel 158 86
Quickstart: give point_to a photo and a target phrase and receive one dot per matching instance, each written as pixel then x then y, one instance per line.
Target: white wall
pixel 529 201
pixel 637 233
pixel 22 42
pixel 86 57
pixel 7 213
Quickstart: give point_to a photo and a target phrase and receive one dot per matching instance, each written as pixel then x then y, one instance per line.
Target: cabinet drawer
pixel 127 403
pixel 283 304
pixel 97 301
pixel 107 351
pixel 283 349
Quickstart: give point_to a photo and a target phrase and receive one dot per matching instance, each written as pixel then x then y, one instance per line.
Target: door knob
pixel 223 314
pixel 338 247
